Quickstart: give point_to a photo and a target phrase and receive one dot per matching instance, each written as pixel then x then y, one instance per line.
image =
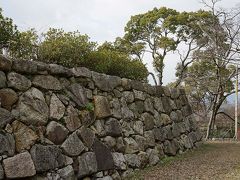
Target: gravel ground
pixel 217 161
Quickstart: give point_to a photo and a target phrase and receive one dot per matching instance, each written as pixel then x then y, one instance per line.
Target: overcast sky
pixel 102 20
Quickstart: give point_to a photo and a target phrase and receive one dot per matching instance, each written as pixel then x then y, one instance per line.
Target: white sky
pixel 102 20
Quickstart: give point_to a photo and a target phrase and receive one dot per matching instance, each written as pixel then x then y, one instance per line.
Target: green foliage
pixel 25 46
pixel 89 107
pixel 8 31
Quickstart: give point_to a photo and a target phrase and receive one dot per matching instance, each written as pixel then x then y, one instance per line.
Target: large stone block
pixel 148 120
pixel 18 81
pixel 57 109
pixel 131 145
pixel 33 108
pixel 77 94
pixel 133 160
pixel 73 146
pixel 158 105
pixel 5 63
pixel 24 136
pixel 72 119
pixel 119 161
pixel 7 144
pixel 87 136
pixel 81 72
pixel 171 147
pixel 159 134
pixel 3 80
pixel 67 173
pixel 8 97
pixel 19 166
pixel 47 82
pixel 148 105
pixel 87 164
pixel 102 107
pixel 166 105
pixel 103 156
pixel 129 96
pixel 5 117
pixel 56 132
pixel 139 95
pixel 47 158
pixel 113 128
pixel 26 66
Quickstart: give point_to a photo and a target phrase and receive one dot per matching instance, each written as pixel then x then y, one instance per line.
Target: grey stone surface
pixel 3 80
pixel 7 144
pixel 119 161
pixel 166 104
pixel 103 156
pixel 153 156
pixel 26 66
pixel 87 164
pixel 73 146
pixel 72 119
pixel 129 96
pixel 5 117
pixel 116 108
pixel 143 156
pixel 33 108
pixel 141 141
pixel 81 72
pixel 47 158
pixel 148 106
pixel 87 117
pixel 133 160
pixel 87 136
pixel 102 107
pixel 110 141
pixel 67 173
pixel 56 132
pixel 57 109
pixel 5 63
pixel 1 172
pixel 19 166
pixel 171 147
pixel 131 146
pixel 138 127
pixel 159 134
pixel 148 120
pixel 113 128
pixel 77 94
pixel 150 139
pixel 47 82
pixel 25 137
pixel 127 114
pixel 158 105
pixel 166 119
pixel 18 81
pixel 139 95
pixel 8 97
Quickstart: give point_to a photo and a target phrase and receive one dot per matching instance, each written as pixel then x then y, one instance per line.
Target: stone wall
pixel 60 123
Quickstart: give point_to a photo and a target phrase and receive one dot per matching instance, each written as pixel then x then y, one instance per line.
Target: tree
pixel 8 31
pixel 25 46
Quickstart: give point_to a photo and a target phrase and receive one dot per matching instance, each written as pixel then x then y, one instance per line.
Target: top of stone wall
pixel 103 81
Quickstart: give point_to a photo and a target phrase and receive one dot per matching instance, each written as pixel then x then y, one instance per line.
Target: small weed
pixel 89 107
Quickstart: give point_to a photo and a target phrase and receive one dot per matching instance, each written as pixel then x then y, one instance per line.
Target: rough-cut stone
pixel 133 160
pixel 116 108
pixel 47 157
pixel 1 172
pixel 5 117
pixel 188 144
pixel 176 129
pixel 24 136
pixel 127 130
pixel 99 128
pixel 173 104
pixel 153 156
pixel 129 96
pixel 166 91
pixel 18 81
pixel 174 93
pixel 126 84
pixel 120 147
pixel 26 66
pixel 19 166
pixel 150 140
pixel 159 134
pixel 102 107
pixel 67 173
pixel 171 147
pixel 87 136
pixel 141 141
pixel 148 106
pixel 5 63
pixel 87 164
pixel 56 132
pixel 187 110
pixel 57 108
pixel 131 145
pixel 3 80
pixel 127 114
pixel 143 156
pixel 78 94
pixel 56 69
pixel 139 95
pixel 158 105
pixel 174 116
pixel 72 119
pixel 138 127
pixel 110 141
pixel 103 156
pixel 7 144
pixel 113 128
pixel 166 119
pixel 157 119
pixel 7 98
pixel 81 72
pixel 87 117
pixel 33 108
pixel 166 104
pixel 119 161
pixel 148 121
pixel 47 82
pixel 137 85
pixel 105 82
pixel 73 146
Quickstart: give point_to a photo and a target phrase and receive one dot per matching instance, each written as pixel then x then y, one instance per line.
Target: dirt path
pixel 215 161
